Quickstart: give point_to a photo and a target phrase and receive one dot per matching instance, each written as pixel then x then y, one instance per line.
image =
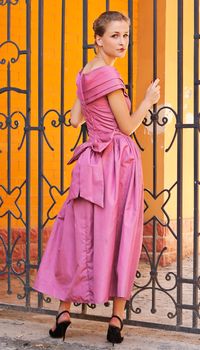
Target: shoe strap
pixel 121 323
pixel 61 313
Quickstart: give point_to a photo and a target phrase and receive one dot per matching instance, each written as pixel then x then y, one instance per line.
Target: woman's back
pixel 93 88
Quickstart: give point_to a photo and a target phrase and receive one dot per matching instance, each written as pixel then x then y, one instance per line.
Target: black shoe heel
pixel 114 332
pixel 60 330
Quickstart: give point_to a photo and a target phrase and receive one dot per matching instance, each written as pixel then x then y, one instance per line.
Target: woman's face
pixel 114 41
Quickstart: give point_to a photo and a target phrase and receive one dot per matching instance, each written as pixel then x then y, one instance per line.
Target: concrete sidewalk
pixel 22 330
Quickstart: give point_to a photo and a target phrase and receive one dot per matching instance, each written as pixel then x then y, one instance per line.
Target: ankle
pixel 64 306
pixel 119 314
pixel 64 311
pixel 115 321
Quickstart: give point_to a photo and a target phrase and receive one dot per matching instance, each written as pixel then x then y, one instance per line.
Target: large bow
pixel 87 175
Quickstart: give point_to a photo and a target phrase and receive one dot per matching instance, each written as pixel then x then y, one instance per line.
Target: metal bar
pixel 8 21
pixel 62 93
pixel 34 128
pixel 187 126
pixel 85 31
pixel 84 309
pixel 196 164
pixel 85 59
pixel 11 88
pixel 179 160
pixel 151 325
pixel 28 142
pixel 9 169
pixel 40 135
pixel 88 46
pixel 130 51
pixel 85 52
pixel 24 52
pixel 130 92
pixel 155 20
pixel 107 5
pixel 188 307
pixel 188 281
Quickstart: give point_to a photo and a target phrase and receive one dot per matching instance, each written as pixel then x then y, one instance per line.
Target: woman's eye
pixel 116 35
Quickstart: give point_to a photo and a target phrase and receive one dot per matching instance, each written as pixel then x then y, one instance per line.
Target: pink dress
pixel 94 248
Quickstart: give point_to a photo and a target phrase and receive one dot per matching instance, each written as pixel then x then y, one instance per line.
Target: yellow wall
pixel 167 72
pixel 144 78
pixel 171 99
pixel 52 93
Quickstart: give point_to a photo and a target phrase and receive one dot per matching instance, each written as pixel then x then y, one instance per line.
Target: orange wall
pixel 52 93
pixel 142 61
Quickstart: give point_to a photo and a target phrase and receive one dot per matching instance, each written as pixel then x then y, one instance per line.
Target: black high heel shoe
pixel 114 332
pixel 61 327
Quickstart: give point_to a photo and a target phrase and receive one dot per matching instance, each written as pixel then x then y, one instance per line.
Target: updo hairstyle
pixel 99 25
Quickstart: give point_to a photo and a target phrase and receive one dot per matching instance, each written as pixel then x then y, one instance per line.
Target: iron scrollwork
pixel 8 2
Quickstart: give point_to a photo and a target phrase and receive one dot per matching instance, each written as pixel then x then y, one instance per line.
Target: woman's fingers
pixel 153 92
pixel 156 82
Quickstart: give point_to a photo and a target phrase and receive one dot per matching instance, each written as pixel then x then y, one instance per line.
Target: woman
pixel 93 251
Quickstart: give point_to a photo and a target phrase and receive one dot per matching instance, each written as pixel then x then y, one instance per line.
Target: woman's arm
pixel 129 123
pixel 76 115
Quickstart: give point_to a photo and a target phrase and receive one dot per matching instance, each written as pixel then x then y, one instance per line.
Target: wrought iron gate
pixel 10 194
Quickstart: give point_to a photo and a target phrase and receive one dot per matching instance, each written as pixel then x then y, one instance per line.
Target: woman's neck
pixel 107 60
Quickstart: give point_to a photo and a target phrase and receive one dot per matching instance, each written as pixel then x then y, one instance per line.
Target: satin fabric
pixel 93 251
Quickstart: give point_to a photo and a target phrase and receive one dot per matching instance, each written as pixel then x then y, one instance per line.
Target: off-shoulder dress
pixel 93 251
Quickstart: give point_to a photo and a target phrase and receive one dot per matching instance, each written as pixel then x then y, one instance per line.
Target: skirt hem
pixel 77 300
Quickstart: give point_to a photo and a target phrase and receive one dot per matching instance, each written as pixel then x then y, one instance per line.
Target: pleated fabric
pixel 94 248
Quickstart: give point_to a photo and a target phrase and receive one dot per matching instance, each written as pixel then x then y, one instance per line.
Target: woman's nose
pixel 122 41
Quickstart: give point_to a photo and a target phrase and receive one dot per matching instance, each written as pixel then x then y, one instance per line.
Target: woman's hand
pixel 152 94
pixel 129 123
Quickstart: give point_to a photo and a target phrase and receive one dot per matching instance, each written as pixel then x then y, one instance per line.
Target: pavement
pixel 29 331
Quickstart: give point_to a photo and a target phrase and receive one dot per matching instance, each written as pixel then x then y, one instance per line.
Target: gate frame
pixel 195 281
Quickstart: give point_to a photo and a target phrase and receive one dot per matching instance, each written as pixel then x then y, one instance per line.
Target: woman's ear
pixel 98 40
